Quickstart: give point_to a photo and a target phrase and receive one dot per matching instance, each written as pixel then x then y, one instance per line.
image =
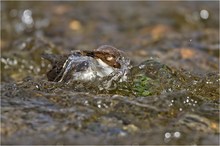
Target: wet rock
pixel 170 94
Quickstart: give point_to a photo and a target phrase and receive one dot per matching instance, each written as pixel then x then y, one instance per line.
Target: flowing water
pixel 169 94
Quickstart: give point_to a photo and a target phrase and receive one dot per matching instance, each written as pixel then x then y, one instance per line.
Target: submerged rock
pixel 150 103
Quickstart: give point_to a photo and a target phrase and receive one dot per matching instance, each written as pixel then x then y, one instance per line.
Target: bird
pixel 86 64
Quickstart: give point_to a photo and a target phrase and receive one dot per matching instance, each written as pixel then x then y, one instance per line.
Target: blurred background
pixel 167 30
pixel 172 98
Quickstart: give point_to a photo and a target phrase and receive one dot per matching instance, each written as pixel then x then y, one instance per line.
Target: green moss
pixel 143 86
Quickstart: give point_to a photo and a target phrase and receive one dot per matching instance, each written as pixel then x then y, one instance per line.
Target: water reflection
pixel 27 17
pixel 204 14
pixel 168 136
pixel 151 106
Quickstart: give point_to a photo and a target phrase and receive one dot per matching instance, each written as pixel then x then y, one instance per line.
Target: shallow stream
pixel 170 96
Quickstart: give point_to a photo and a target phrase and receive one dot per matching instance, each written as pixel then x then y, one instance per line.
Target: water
pixel 169 94
pixel 137 106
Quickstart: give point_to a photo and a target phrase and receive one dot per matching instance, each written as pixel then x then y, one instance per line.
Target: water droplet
pixel 195 82
pixel 31 67
pixel 27 17
pixel 167 135
pixel 208 82
pixel 86 102
pixel 105 105
pixel 141 66
pixel 99 103
pixel 204 14
pixel 3 60
pixel 177 134
pixel 38 69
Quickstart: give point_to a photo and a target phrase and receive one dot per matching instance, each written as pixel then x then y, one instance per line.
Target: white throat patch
pixel 106 69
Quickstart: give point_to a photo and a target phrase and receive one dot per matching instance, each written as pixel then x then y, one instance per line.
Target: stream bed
pixel 171 91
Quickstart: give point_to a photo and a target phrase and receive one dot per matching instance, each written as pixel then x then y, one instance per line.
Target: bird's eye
pixel 110 58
